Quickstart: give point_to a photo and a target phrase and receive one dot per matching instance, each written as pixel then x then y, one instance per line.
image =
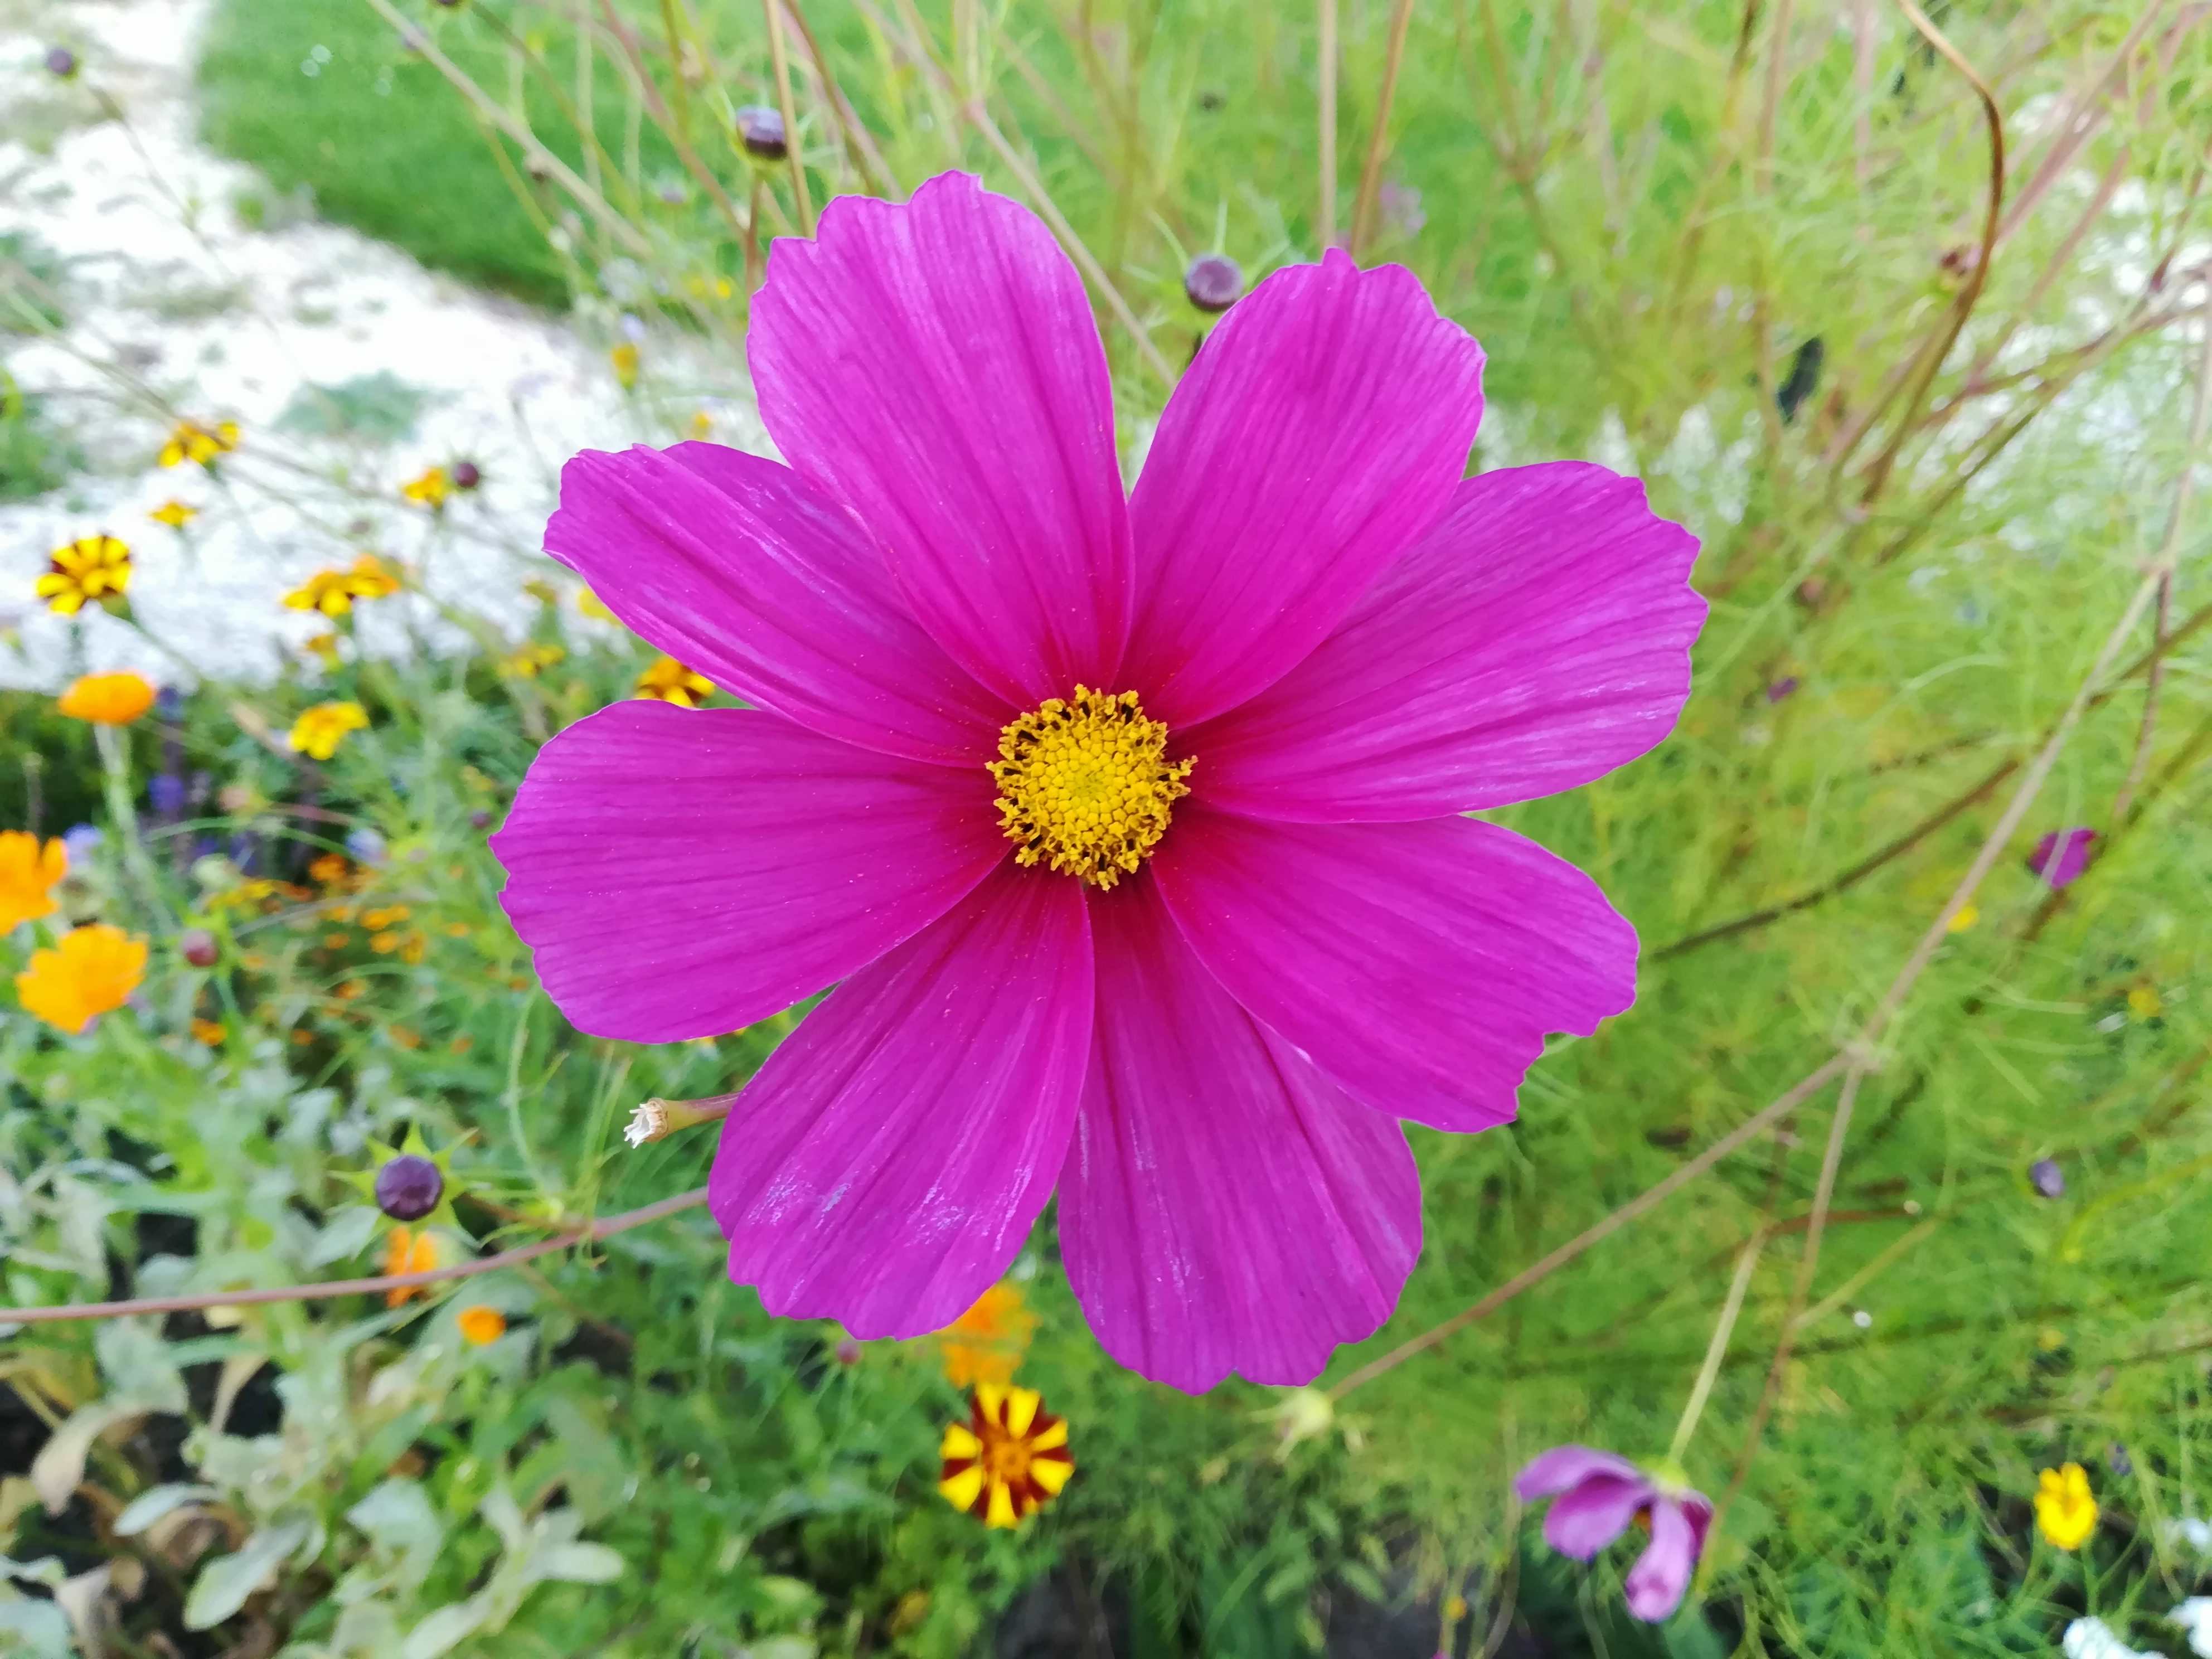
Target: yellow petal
pixel 962 1490
pixel 1021 1410
pixel 1001 1511
pixel 960 1442
pixel 1051 1474
pixel 991 1398
pixel 1046 1439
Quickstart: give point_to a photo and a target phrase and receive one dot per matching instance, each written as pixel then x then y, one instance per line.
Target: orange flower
pixel 28 874
pixel 209 1032
pixel 91 971
pixel 107 699
pixel 408 1252
pixel 481 1325
pixel 986 1343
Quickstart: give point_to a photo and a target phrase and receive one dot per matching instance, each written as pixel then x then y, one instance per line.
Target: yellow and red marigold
pixel 84 572
pixel 1008 1459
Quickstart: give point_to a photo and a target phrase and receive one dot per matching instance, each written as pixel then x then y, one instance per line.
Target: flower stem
pixel 1716 1350
pixel 115 765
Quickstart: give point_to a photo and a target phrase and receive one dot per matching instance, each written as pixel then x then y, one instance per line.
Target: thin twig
pixel 1325 165
pixel 874 170
pixel 165 1304
pixel 1650 1199
pixel 781 59
pixel 1378 141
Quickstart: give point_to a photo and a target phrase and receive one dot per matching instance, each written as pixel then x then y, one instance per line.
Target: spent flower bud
pixel 408 1188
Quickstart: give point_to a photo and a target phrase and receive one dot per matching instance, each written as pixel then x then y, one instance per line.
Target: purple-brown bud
pixel 408 1188
pixel 1213 282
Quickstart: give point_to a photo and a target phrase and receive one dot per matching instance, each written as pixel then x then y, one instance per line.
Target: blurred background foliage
pixel 1736 248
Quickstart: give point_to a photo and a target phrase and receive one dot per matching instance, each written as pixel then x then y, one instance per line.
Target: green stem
pixel 123 813
pixel 1716 1350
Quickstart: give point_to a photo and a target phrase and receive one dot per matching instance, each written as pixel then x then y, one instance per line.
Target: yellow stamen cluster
pixel 1085 785
pixel 87 570
pixel 670 681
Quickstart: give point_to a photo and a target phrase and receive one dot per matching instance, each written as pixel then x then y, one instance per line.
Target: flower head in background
pixel 2061 855
pixel 430 488
pixel 84 572
pixel 333 593
pixel 107 699
pixel 481 1326
pixel 211 1032
pixel 1008 1459
pixel 625 359
pixel 529 661
pixel 174 513
pixel 985 1344
pixel 87 972
pixel 1213 283
pixel 28 874
pixel 2065 1508
pixel 590 605
pixel 1129 827
pixel 318 731
pixel 408 1251
pixel 1963 918
pixel 2194 1617
pixel 2093 1638
pixel 191 441
pixel 1596 1496
pixel 670 681
pixel 368 847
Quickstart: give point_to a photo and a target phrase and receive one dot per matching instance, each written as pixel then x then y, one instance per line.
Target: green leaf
pixel 226 1582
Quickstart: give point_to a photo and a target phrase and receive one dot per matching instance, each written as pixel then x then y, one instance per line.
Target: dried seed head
pixel 1214 282
pixel 408 1188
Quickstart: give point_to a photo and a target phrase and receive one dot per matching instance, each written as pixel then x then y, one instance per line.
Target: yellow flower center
pixel 1004 1457
pixel 1085 785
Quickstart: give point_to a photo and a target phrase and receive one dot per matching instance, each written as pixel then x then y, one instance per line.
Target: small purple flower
pixel 1600 1495
pixel 1782 688
pixel 1402 209
pixel 82 840
pixel 166 793
pixel 61 63
pixel 408 1188
pixel 367 847
pixel 2047 1177
pixel 1212 282
pixel 2061 855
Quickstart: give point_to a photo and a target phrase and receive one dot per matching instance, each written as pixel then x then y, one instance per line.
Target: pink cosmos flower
pixel 1598 1495
pixel 2061 855
pixel 1126 826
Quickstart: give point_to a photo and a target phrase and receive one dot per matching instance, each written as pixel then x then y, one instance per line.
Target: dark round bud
pixel 409 1188
pixel 2117 1461
pixel 466 475
pixel 848 1352
pixel 2047 1177
pixel 1214 282
pixel 197 945
pixel 759 130
pixel 479 819
pixel 61 62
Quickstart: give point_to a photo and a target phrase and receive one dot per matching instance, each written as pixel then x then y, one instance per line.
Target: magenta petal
pixel 1590 1515
pixel 1420 965
pixel 1536 639
pixel 2061 856
pixel 1315 438
pixel 1224 1207
pixel 936 364
pixel 888 1160
pixel 1656 1583
pixel 1563 1466
pixel 738 567
pixel 681 872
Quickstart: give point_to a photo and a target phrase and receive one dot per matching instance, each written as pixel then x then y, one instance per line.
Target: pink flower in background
pixel 1597 1496
pixel 1126 826
pixel 2061 855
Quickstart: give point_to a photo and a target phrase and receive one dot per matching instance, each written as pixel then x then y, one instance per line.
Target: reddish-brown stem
pixel 1378 141
pixel 165 1304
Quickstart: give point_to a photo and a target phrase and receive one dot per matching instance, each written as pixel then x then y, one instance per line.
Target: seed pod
pixel 466 475
pixel 2047 1177
pixel 759 130
pixel 1214 282
pixel 197 945
pixel 409 1188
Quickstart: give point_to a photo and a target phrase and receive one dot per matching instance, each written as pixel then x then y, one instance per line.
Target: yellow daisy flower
pixel 85 571
pixel 2065 1509
pixel 107 699
pixel 531 661
pixel 191 441
pixel 429 488
pixel 318 731
pixel 174 513
pixel 333 591
pixel 986 1343
pixel 624 357
pixel 670 681
pixel 594 606
pixel 1008 1459
pixel 28 872
pixel 89 972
